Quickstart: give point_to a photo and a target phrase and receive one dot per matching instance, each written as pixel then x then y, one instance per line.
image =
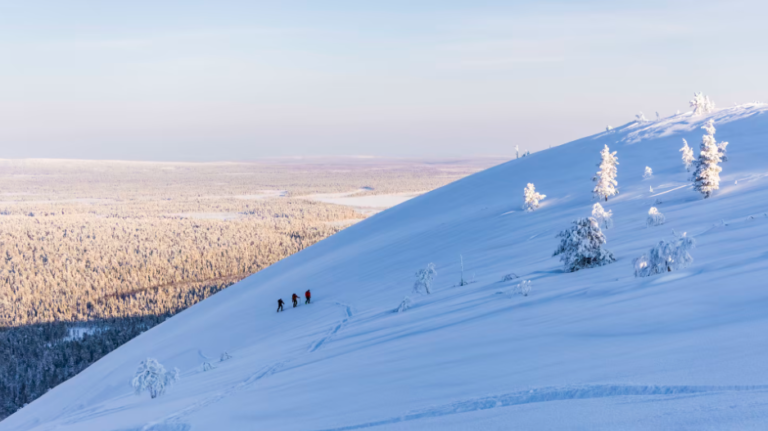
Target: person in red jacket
pixel 280 305
pixel 295 299
pixel 308 296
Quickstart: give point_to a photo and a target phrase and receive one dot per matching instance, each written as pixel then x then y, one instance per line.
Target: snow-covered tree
pixel 658 117
pixel 701 104
pixel 665 257
pixel 640 118
pixel 581 246
pixel 655 218
pixel 604 218
pixel 424 279
pixel 706 177
pixel 648 172
pixel 153 378
pixel 405 305
pixel 608 128
pixel 687 155
pixel 225 357
pixel 606 176
pixel 532 198
pixel 517 152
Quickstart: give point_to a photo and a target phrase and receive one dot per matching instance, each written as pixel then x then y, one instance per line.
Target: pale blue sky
pixel 240 80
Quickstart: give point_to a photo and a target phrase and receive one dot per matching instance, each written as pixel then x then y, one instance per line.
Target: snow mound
pixel 594 349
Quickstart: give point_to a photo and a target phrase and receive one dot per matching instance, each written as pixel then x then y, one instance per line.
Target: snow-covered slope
pixel 594 349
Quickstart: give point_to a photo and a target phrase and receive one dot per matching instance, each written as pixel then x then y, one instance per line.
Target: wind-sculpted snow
pixel 542 395
pixel 594 349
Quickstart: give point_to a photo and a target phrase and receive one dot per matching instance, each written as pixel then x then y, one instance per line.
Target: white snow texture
pixel 595 349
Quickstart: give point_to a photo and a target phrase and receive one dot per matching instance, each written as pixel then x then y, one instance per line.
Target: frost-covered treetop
pixel 604 218
pixel 701 104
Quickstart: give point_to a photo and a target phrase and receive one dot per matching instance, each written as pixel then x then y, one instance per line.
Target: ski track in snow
pixel 319 343
pixel 173 422
pixel 546 394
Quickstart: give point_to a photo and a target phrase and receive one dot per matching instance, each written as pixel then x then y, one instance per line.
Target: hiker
pixel 280 305
pixel 295 299
pixel 308 296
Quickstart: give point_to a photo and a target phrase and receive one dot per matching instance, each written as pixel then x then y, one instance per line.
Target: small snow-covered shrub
pixel 640 118
pixel 688 158
pixel 665 257
pixel 532 198
pixel 581 246
pixel 207 366
pixel 225 357
pixel 153 378
pixel 655 218
pixel 606 176
pixel 509 277
pixel 424 279
pixel 406 304
pixel 701 104
pixel 604 218
pixel 648 172
pixel 524 287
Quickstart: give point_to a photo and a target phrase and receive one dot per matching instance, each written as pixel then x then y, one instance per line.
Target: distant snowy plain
pixel 594 349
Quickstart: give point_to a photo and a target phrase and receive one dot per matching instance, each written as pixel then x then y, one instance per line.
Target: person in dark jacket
pixel 295 299
pixel 280 305
pixel 308 296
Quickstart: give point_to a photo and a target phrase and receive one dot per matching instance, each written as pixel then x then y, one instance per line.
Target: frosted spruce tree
pixel 606 176
pixel 688 158
pixel 581 246
pixel 424 279
pixel 701 104
pixel 532 198
pixel 153 378
pixel 640 118
pixel 648 173
pixel 655 218
pixel 604 218
pixel 665 257
pixel 706 177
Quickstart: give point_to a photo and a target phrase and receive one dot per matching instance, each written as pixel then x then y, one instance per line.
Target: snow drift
pixel 594 349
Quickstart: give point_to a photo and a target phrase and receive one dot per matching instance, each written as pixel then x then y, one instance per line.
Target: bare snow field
pixel 524 345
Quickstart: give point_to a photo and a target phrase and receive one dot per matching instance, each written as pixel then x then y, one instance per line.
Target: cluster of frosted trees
pixel 581 245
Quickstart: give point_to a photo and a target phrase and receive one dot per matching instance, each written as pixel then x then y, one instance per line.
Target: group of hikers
pixel 295 299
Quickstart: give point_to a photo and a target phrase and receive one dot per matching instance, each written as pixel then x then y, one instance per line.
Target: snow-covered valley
pixel 594 349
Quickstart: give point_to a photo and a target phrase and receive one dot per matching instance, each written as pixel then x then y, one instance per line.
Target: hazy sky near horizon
pixel 241 80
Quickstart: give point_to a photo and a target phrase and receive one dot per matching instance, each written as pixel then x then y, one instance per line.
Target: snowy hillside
pixel 593 349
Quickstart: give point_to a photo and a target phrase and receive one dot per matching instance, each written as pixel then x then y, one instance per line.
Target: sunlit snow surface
pixel 595 349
